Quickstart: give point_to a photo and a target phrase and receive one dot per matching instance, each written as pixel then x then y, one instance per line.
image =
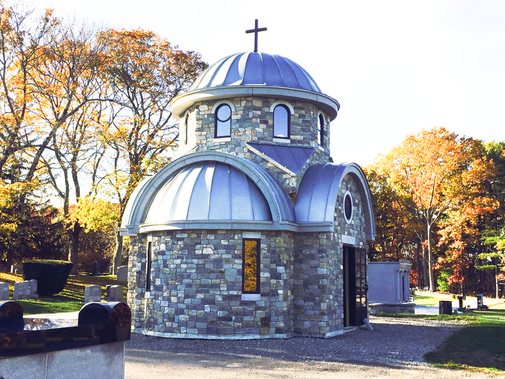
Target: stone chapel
pixel 253 231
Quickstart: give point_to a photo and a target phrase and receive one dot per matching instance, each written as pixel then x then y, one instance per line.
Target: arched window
pixel 320 130
pixel 281 121
pixel 223 121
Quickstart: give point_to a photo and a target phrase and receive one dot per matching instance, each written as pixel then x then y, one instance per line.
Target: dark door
pixel 355 286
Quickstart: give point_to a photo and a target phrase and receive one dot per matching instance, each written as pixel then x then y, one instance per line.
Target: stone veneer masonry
pixel 196 281
pixel 196 285
pixel 252 121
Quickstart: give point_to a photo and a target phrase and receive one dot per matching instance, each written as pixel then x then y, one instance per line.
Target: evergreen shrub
pixel 51 275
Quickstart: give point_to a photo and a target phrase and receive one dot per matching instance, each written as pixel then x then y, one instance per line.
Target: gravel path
pixel 393 349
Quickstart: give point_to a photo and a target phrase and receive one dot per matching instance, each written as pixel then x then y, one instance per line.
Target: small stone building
pixel 252 232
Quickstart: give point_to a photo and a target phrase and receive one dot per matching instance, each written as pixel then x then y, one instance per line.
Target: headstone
pixel 17 269
pixel 480 302
pixel 93 294
pixel 32 289
pixel 4 291
pixel 20 290
pixel 460 301
pixel 117 315
pixel 11 316
pixel 114 293
pixel 96 268
pixel 445 307
pixel 122 273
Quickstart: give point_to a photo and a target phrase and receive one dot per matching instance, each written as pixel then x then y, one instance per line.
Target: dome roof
pixel 255 74
pixel 256 69
pixel 208 191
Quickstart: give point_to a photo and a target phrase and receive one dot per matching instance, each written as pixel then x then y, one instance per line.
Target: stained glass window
pixel 251 266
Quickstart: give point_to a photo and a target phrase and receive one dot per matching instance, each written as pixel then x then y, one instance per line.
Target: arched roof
pixel 318 192
pixel 208 191
pixel 255 74
pixel 194 192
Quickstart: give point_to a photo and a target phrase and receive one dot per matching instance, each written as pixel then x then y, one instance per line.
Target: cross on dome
pixel 256 30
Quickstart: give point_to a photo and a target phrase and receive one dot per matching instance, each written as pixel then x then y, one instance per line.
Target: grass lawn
pixel 479 345
pixel 69 300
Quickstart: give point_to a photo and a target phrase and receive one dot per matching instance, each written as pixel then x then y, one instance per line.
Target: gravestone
pixel 114 293
pixel 445 307
pixel 11 317
pixel 4 291
pixel 20 290
pixel 32 289
pixel 93 294
pixel 122 272
pixel 96 268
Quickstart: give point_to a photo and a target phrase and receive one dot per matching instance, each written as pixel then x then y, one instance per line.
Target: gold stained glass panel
pixel 251 266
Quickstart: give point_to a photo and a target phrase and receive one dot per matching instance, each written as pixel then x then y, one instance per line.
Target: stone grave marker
pixel 115 293
pixel 93 294
pixel 32 289
pixel 20 290
pixel 122 272
pixel 4 291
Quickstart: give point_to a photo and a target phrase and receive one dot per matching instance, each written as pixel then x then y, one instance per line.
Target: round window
pixel 347 207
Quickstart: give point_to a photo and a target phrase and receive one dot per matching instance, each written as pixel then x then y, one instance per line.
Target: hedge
pixel 51 275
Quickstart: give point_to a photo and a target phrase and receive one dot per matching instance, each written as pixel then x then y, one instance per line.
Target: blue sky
pixel 395 66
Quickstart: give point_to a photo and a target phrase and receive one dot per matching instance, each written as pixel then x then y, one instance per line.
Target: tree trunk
pixel 74 246
pixel 425 267
pixel 433 287
pixel 496 284
pixel 118 256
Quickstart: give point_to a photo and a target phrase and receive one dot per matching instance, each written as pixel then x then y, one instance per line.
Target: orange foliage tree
pixel 438 178
pixel 144 73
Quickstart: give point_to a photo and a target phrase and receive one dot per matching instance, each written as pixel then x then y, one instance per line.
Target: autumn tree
pixel 145 72
pixel 435 174
pixel 23 35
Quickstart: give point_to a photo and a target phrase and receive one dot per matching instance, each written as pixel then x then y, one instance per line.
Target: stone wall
pixel 252 121
pixel 196 285
pixel 356 227
pixel 318 285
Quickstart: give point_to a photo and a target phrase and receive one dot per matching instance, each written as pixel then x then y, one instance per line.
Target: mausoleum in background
pixel 252 232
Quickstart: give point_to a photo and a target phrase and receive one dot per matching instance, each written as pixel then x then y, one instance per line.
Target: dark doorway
pixel 355 286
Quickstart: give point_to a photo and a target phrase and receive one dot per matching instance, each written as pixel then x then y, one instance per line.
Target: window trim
pixel 149 249
pixel 258 265
pixel 227 121
pixel 288 121
pixel 347 194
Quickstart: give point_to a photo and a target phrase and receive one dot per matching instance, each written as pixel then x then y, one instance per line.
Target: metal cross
pixel 256 30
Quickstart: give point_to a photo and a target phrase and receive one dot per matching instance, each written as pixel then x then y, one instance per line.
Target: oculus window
pixel 223 121
pixel 320 130
pixel 251 264
pixel 348 209
pixel 281 121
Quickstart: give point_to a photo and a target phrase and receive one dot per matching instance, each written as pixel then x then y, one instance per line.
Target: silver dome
pixel 256 68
